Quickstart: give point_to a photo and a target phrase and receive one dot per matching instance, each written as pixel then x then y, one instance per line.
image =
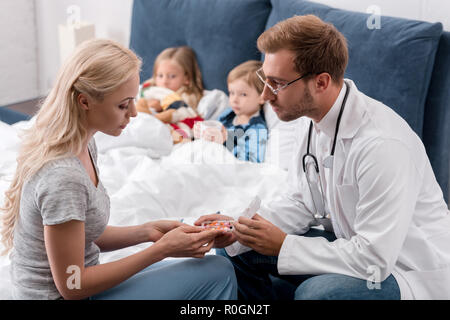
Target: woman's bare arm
pixel 65 245
pixel 115 238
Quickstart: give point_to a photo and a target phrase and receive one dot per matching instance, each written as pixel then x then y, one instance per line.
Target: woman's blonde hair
pixel 187 59
pixel 95 69
pixel 247 72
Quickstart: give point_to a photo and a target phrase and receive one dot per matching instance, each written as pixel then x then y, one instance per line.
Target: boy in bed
pixel 244 128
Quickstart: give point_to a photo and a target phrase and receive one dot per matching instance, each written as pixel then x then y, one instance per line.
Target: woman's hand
pixel 187 241
pixel 156 229
pixel 222 240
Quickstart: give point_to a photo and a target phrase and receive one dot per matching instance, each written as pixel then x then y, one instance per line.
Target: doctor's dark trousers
pixel 258 279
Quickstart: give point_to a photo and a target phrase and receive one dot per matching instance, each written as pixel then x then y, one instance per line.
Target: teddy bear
pixel 171 108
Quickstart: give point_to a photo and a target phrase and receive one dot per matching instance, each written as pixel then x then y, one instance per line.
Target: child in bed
pixel 174 91
pixel 244 128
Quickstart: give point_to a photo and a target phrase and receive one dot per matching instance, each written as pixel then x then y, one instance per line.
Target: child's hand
pixel 213 135
pixel 154 104
pixel 142 106
pixel 165 116
pixel 210 134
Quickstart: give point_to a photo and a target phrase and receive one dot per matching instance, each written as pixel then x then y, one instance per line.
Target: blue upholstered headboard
pixel 436 128
pixel 222 33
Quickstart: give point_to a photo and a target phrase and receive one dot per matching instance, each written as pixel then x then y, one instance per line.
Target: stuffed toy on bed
pixel 170 107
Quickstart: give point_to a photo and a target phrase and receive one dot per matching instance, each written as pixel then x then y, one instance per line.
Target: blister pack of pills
pixel 218 225
pixel 227 225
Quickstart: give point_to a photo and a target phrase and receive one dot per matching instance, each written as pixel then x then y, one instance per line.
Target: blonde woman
pixel 56 210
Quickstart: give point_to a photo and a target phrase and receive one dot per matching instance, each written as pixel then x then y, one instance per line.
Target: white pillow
pixel 212 104
pixel 9 137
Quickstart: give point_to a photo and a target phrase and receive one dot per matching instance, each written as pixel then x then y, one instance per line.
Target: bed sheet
pixel 147 178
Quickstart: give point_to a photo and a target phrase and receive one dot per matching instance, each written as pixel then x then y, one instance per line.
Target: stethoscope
pixel 315 187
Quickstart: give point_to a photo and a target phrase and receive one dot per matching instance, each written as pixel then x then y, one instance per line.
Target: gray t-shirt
pixel 59 192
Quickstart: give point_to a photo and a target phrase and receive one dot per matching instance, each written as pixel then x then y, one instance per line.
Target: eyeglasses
pixel 276 87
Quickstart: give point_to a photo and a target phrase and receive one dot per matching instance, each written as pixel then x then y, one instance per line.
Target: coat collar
pixel 354 112
pixel 353 118
pixel 329 121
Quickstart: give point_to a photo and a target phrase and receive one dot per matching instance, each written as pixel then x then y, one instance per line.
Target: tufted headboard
pixel 222 33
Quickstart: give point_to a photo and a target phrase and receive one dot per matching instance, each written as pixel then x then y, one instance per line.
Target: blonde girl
pixel 190 84
pixel 175 69
pixel 56 211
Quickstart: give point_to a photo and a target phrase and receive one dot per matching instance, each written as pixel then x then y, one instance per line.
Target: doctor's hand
pixel 225 238
pixel 260 235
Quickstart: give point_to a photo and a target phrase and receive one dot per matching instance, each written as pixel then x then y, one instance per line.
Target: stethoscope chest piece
pixel 324 216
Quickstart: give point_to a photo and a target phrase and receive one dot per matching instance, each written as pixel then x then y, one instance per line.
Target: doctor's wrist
pixel 280 243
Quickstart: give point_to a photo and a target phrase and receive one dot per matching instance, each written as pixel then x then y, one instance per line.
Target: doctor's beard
pixel 305 107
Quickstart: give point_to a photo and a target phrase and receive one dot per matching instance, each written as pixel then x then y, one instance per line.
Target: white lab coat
pixel 387 209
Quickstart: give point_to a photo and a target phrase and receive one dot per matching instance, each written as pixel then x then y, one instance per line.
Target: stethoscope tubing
pixel 338 122
pixel 316 163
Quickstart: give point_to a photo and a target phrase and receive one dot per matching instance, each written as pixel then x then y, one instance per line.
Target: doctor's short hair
pixel 247 72
pixel 318 46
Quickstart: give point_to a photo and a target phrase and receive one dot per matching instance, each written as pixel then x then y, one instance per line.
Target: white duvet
pixel 147 178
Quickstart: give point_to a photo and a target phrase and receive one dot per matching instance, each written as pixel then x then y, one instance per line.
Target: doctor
pixel 359 170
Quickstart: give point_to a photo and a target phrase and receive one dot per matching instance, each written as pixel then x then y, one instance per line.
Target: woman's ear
pixel 83 101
